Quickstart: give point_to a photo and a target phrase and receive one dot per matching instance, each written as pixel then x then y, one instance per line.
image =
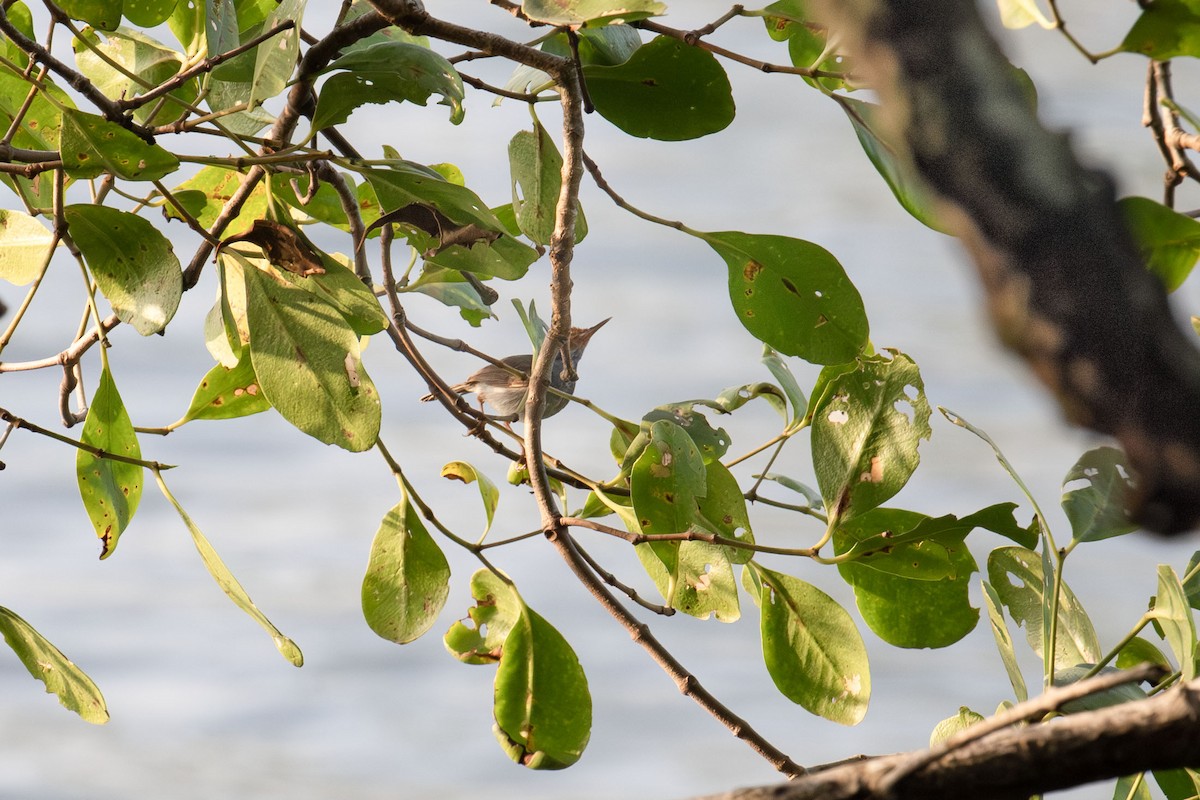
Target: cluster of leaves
pixel 287 331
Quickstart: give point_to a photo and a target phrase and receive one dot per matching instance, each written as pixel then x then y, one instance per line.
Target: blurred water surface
pixel 203 706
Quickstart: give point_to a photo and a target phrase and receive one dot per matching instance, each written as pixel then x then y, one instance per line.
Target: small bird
pixel 505 391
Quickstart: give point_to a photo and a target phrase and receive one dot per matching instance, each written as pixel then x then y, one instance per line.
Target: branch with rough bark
pixel 1066 286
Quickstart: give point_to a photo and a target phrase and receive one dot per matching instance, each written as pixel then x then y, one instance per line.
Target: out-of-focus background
pixel 201 703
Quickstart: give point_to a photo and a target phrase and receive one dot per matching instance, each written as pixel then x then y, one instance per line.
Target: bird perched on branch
pixel 505 390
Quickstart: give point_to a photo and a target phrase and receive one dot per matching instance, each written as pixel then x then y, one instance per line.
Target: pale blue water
pixel 203 706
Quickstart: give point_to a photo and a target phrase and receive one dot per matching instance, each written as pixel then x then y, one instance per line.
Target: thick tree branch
pixel 1066 286
pixel 1158 733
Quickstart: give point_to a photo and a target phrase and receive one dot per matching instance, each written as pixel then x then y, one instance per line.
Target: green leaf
pixel 91 146
pixel 694 577
pixel 488 493
pixel 1138 651
pixel 930 610
pixel 1191 581
pixel 811 648
pixel 102 14
pixel 308 364
pixel 47 663
pixel 450 288
pixel 407 579
pixel 343 290
pixel 111 489
pixel 955 419
pixel 479 639
pixel 910 191
pixel 866 432
pixel 1097 511
pixel 276 59
pixel 667 481
pixel 228 583
pixel 132 262
pixel 808 43
pixel 387 72
pixel 578 13
pixel 148 13
pixel 666 90
pixel 1132 787
pixel 40 121
pixel 811 496
pixel 536 168
pixel 1167 240
pixel 206 193
pixel 24 247
pixel 1178 784
pixel 1004 642
pixel 722 510
pixel 712 443
pixel 952 726
pixel 1016 574
pixel 542 706
pixel 787 382
pixel 128 63
pixel 793 295
pixel 1166 29
pixel 1173 614
pixel 226 393
pixel 407 183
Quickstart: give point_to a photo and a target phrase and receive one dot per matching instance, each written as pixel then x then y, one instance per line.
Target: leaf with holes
pixel 111 489
pixel 407 579
pixel 712 442
pixel 132 262
pixel 275 60
pixel 667 480
pixel 128 63
pixel 47 663
pixel 952 726
pixel 387 72
pixel 666 90
pixel 793 295
pixel 811 648
pixel 694 577
pixel 722 510
pixel 1097 510
pixel 1016 575
pixel 866 432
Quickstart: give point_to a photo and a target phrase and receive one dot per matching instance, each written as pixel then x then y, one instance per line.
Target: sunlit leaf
pixel 536 168
pixel 276 59
pixel 24 247
pixel 1016 575
pixel 1174 616
pixel 712 442
pixel 1138 651
pixel 127 63
pixel 132 262
pixel 811 648
pixel 866 433
pixel 787 382
pixel 793 295
pixel 111 489
pixel 951 726
pixel 102 14
pixel 479 638
pixel 722 510
pixel 407 579
pixel 206 193
pixel 1022 13
pixel 226 393
pixel 666 90
pixel 148 13
pixel 693 577
pixel 387 72
pixel 1132 787
pixel 308 364
pixel 47 663
pixel 229 584
pixel 590 12
pixel 488 493
pixel 91 145
pixel 1124 693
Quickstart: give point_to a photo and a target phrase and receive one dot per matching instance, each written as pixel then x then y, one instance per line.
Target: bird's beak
pixel 580 336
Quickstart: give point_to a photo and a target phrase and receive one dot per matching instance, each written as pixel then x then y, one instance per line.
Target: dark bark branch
pixel 1066 286
pixel 1158 733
